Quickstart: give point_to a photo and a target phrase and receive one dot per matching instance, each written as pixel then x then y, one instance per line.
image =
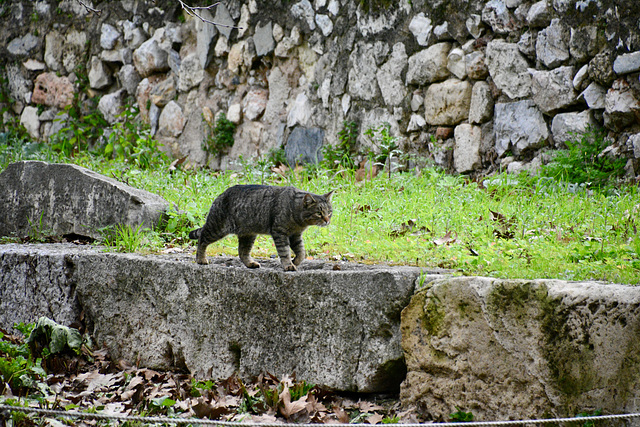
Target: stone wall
pixel 472 86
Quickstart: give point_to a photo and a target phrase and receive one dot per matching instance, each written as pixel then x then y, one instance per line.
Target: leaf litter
pixel 98 384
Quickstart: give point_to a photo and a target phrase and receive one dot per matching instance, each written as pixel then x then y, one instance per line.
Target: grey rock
pixel 304 10
pixel 263 39
pixel 429 65
pixel 23 46
pixel 150 58
pixel 553 90
pixel 108 36
pixel 420 26
pixel 191 73
pixel 474 25
pixel 74 51
pixel 171 121
pixel 481 106
pixel 389 76
pixel 508 69
pixel 163 92
pixel 594 95
pixel 416 122
pixel 635 143
pixel 279 91
pixel 112 105
pixel 29 119
pixel 621 108
pixel 518 126
pixel 20 86
pixel 552 45
pixel 416 102
pixel 99 77
pixel 304 146
pixel 65 199
pixel 601 68
pixel 168 312
pixel 570 126
pixel 584 42
pixel 301 111
pixel 325 24
pixel 442 32
pixel 496 14
pixel 527 44
pixel 539 14
pixel 447 103
pixel 129 78
pixel 476 66
pixel 580 78
pixel 254 103
pixel 627 63
pixel 466 152
pixel 362 75
pixel 205 38
pixel 53 43
pixel 571 331
pixel 456 63
pixel 224 18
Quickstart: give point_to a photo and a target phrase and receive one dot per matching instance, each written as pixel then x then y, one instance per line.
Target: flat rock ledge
pixel 332 324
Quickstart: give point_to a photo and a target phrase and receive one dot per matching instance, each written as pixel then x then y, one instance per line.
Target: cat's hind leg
pixel 245 243
pixel 297 246
pixel 206 238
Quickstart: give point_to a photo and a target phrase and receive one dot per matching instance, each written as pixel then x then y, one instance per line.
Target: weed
pixel 391 420
pixel 342 155
pixel 387 145
pixel 123 238
pixel 460 416
pixel 219 136
pixel 18 370
pixel 584 162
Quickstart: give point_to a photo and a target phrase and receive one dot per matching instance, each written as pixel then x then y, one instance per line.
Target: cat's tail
pixel 195 234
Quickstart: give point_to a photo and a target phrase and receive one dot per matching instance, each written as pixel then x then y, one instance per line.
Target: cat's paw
pixel 202 261
pixel 298 260
pixel 252 264
pixel 290 267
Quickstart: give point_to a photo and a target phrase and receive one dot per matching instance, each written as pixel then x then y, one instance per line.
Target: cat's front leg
pixel 245 243
pixel 284 251
pixel 297 245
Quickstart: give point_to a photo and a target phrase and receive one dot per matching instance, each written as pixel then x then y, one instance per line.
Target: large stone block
pixel 509 69
pixel 515 349
pixel 336 328
pixel 447 103
pixel 38 197
pixel 519 126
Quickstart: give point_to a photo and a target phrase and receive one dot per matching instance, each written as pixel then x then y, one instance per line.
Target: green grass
pixel 511 227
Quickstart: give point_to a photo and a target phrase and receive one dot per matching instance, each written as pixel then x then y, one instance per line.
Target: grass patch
pixel 506 227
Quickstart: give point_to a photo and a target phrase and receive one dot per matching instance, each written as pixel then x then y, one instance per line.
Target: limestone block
pixel 23 46
pixel 64 199
pixel 300 112
pixel 20 87
pixel 112 105
pixel 129 78
pixel 447 103
pixel 420 26
pixel 466 152
pixel 191 73
pixel 52 90
pixel 475 65
pixel 581 77
pixel 389 76
pixel 325 24
pixel 99 77
pixel 29 119
pixel 416 122
pixel 74 51
pixel 527 44
pixel 474 25
pixel 254 103
pixel 584 42
pixel 224 17
pixel 172 120
pixel 362 80
pixel 205 38
pixel 481 105
pixel 456 63
pixel 621 107
pixel 627 63
pixel 552 45
pixel 518 126
pixel 539 14
pixel 429 65
pixel 53 43
pixel 150 58
pixel 109 36
pixel 304 146
pixel 553 90
pixel 516 349
pixel 263 39
pixel 570 126
pixel 496 14
pixel 303 10
pixel 279 91
pixel 594 95
pixel 508 69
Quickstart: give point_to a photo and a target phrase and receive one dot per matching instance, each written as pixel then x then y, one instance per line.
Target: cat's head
pixel 317 209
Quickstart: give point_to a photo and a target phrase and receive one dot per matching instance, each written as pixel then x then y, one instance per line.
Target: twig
pixel 90 9
pixel 191 10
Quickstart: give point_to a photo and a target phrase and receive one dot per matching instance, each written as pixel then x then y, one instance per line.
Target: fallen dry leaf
pixel 288 407
pixel 375 418
pixel 447 239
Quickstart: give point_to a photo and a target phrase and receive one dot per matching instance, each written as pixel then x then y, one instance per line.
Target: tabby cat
pixel 248 210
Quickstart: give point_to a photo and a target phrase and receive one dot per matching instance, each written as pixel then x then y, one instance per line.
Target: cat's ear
pixel 328 195
pixel 308 200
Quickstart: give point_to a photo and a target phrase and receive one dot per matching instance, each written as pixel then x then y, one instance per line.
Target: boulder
pixel 109 36
pixel 481 105
pixel 571 126
pixel 66 199
pixel 362 75
pixel 601 68
pixel 447 103
pixel 552 45
pixel 254 103
pixel 389 76
pixel 420 26
pixel 304 146
pixel 263 39
pixel 553 90
pixel 99 76
pixel 518 126
pixel 337 327
pixel 52 91
pixel 584 42
pixel 516 349
pixel 594 95
pixel 205 38
pixel 627 63
pixel 191 73
pixel 621 107
pixel 171 121
pixel 163 92
pixel 150 58
pixel 466 152
pixel 429 65
pixel 112 105
pixel 509 69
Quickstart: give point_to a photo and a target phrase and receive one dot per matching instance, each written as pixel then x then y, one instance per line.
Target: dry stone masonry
pixel 494 82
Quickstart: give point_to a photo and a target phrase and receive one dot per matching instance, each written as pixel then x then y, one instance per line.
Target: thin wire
pixel 251 423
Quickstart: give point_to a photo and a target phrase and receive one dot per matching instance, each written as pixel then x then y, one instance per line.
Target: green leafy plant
pixel 583 161
pixel 387 145
pixel 123 238
pixel 461 416
pixel 18 370
pixel 219 136
pixel 589 423
pixel 391 420
pixel 342 155
pixel 79 132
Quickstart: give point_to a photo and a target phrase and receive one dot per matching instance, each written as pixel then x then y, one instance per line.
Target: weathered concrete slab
pixel 64 199
pixel 515 349
pixel 336 328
